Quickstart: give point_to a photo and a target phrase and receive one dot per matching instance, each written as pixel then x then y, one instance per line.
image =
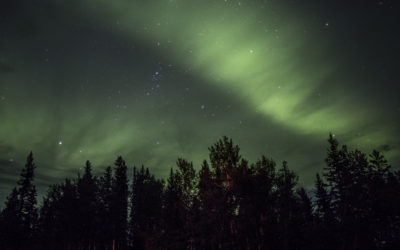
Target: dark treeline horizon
pixel 228 204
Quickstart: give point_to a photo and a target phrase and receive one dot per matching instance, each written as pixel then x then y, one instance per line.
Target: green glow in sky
pixel 245 52
pixel 157 80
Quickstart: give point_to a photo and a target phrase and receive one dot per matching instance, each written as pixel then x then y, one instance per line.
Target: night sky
pixel 157 80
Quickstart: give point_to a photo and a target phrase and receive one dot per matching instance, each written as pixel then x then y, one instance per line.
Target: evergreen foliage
pixel 227 204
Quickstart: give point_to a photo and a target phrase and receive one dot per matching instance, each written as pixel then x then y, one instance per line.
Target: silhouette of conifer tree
pixel 119 208
pixel 146 205
pixel 20 214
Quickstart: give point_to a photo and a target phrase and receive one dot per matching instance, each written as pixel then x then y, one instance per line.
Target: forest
pixel 228 204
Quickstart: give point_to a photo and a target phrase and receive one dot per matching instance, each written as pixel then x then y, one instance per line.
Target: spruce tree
pixel 225 160
pixel 119 208
pixel 173 214
pixel 27 196
pixel 49 219
pixel 105 206
pixel 146 205
pixel 20 213
pixel 206 226
pixel 11 227
pixel 286 181
pixel 323 202
pixel 87 206
pixel 188 184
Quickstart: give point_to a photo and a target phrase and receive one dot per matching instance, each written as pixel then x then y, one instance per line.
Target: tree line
pixel 227 204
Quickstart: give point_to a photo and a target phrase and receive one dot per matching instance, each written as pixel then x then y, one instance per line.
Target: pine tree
pixel 49 219
pixel 286 181
pixel 378 164
pixel 325 224
pixel 27 196
pixel 146 205
pixel 21 213
pixel 60 219
pixel 323 202
pixel 173 214
pixel 87 206
pixel 205 182
pixel 207 224
pixel 225 160
pixel 69 218
pixel 188 184
pixel 232 205
pixel 119 209
pixel 187 178
pixel 303 220
pixel 263 197
pixel 11 226
pixel 105 200
pixel 224 157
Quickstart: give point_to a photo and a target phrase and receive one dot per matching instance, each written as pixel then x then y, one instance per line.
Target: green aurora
pixel 157 80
